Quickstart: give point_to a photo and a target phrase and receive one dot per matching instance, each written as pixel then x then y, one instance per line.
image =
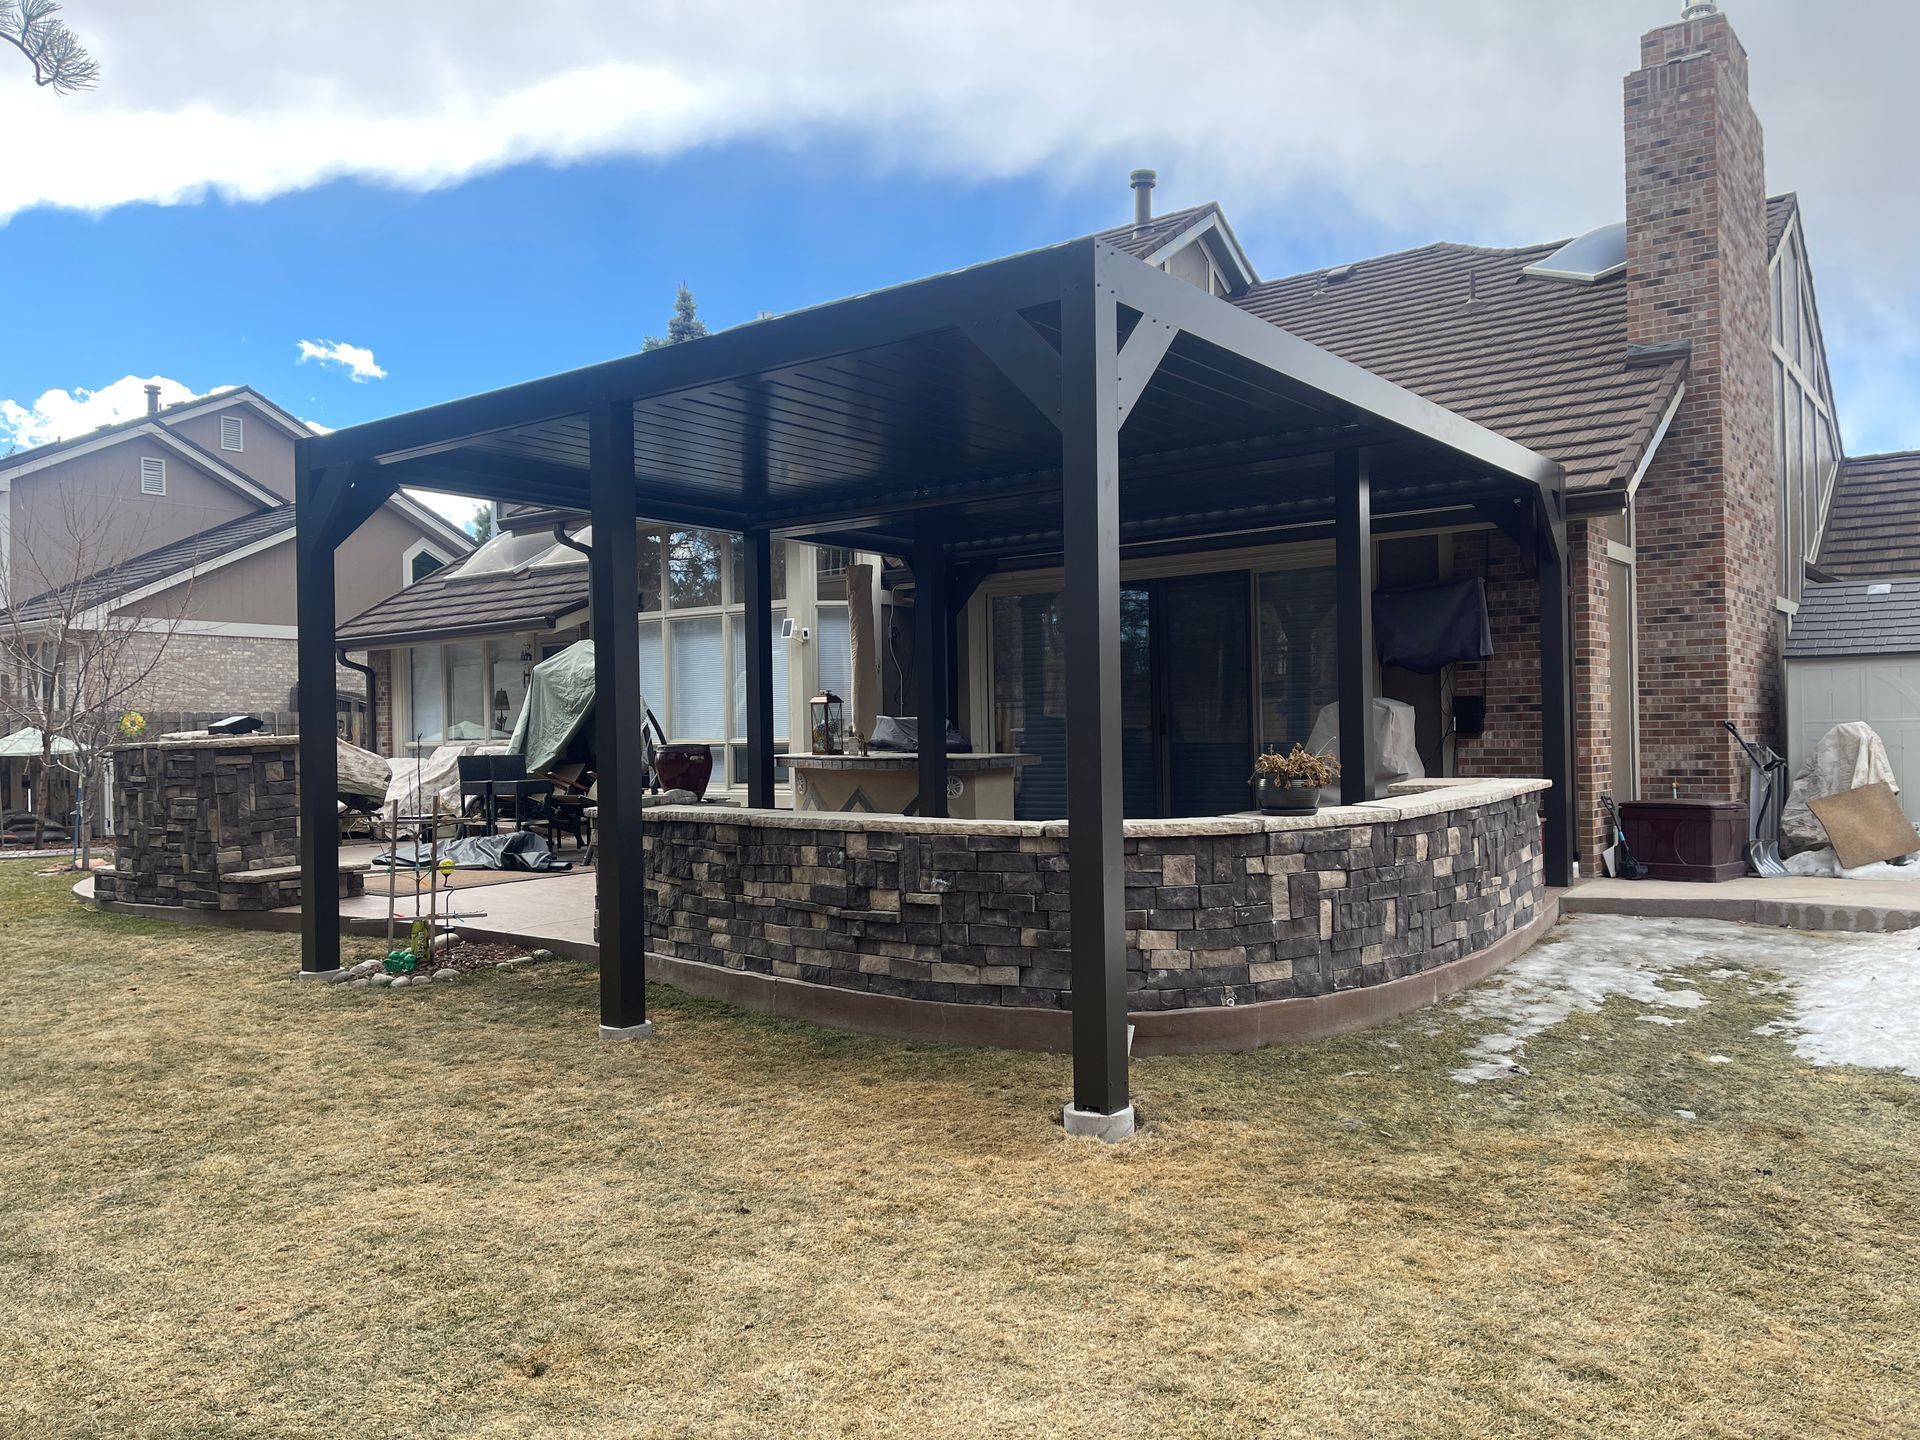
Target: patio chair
pixel 478 801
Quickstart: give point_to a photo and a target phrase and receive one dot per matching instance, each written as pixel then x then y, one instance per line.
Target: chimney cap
pixel 1143 177
pixel 1699 10
pixel 153 399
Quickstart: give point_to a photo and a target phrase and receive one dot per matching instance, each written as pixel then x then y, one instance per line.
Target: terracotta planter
pixel 1275 796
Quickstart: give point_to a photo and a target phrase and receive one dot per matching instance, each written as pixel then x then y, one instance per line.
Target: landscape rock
pixel 446 972
pixel 382 978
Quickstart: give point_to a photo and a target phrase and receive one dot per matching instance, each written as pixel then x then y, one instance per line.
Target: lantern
pixel 829 722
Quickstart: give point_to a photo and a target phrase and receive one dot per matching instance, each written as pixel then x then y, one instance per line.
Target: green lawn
pixel 238 1205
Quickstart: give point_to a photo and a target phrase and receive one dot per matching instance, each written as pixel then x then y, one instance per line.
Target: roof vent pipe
pixel 1142 182
pixel 153 399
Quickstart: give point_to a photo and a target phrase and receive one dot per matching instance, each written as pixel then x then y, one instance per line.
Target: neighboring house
pixel 453 652
pixel 1671 359
pixel 183 519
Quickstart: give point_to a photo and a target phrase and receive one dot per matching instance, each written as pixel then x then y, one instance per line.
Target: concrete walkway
pixel 1799 902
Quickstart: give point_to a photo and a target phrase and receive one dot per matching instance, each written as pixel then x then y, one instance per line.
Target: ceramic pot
pixel 1276 796
pixel 684 767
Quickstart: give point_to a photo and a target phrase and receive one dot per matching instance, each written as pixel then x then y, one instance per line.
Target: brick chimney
pixel 1705 516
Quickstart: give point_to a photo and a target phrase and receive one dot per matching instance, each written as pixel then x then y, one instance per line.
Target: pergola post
pixel 758 602
pixel 930 663
pixel 613 589
pixel 319 756
pixel 1096 846
pixel 1353 585
pixel 1556 700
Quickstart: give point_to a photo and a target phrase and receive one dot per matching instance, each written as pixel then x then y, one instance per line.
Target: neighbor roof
pixel 166 414
pixel 447 603
pixel 1851 617
pixel 1873 522
pixel 168 561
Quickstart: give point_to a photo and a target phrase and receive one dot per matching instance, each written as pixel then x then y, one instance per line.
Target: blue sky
pixel 468 217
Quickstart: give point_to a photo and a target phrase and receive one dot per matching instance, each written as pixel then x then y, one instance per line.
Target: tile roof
pixel 1157 231
pixel 1542 362
pixel 448 603
pixel 1873 523
pixel 156 565
pixel 1846 617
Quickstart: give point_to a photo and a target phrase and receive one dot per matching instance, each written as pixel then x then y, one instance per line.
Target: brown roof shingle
pixel 1873 524
pixel 448 603
pixel 1542 362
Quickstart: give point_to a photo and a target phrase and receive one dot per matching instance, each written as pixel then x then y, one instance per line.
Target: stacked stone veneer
pixel 198 821
pixel 1219 912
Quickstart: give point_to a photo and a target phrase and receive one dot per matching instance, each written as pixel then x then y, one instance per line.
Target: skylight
pixel 1595 256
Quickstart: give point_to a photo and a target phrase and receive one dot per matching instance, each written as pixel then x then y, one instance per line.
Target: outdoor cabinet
pixel 1687 839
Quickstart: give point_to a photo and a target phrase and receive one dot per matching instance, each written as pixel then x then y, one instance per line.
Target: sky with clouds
pixel 359 208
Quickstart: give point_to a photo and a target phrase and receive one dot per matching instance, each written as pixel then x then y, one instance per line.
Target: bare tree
pixel 59 60
pixel 77 651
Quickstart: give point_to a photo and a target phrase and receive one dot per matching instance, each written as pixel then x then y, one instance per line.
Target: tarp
pixel 515 850
pixel 1848 756
pixel 1397 754
pixel 559 703
pixel 25 745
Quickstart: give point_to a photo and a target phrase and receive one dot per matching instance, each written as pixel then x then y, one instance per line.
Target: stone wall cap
pixel 1410 800
pixel 211 742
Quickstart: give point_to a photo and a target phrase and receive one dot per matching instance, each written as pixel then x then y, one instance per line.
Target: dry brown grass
pixel 236 1206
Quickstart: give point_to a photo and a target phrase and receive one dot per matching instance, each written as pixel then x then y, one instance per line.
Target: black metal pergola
pixel 1057 405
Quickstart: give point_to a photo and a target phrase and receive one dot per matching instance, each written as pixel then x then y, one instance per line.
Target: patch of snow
pixel 1855 999
pixel 1686 1115
pixel 1824 862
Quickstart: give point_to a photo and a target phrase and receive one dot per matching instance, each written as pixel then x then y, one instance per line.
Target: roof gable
pixel 39 456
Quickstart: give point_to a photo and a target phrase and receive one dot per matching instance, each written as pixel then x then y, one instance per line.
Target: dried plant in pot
pixel 1290 783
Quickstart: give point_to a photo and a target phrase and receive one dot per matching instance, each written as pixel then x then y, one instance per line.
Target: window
pixel 466 691
pixel 779 647
pixel 693 569
pixel 420 561
pixel 508 685
pixel 153 475
pixel 835 650
pixel 698 670
pixel 424 700
pixel 830 572
pixel 233 434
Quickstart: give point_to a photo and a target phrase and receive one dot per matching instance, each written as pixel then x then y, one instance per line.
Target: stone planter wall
pixel 1220 912
pixel 208 824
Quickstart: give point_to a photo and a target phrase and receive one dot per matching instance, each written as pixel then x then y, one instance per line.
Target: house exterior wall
pixel 258 591
pixel 96 500
pixel 266 453
pixel 1706 516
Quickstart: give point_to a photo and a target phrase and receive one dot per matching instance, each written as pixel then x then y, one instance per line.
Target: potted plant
pixel 1290 784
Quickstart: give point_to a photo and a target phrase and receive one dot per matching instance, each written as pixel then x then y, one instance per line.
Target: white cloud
pixel 63 414
pixel 356 360
pixel 461 510
pixel 1492 120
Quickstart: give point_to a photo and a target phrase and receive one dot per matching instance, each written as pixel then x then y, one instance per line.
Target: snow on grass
pixel 1855 998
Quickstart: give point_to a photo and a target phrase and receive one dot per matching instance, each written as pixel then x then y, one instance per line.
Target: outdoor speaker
pixel 1470 716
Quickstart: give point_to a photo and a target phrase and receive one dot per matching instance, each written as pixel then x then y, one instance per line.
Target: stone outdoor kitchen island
pixel 1241 930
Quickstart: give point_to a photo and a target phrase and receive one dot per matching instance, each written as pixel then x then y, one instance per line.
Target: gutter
pixel 373 696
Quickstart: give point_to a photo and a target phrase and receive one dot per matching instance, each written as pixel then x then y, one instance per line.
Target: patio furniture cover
pixel 1398 754
pixel 559 703
pixel 415 781
pixel 1848 756
pixel 363 774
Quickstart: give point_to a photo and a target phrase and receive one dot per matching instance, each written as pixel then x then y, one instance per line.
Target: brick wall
pixel 1589 577
pixel 228 675
pixel 1705 516
pixel 1218 912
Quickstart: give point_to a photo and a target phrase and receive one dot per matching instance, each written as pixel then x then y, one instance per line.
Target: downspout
pixel 373 693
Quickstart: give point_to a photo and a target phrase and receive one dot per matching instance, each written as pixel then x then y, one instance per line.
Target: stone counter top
pixel 907 760
pixel 1410 800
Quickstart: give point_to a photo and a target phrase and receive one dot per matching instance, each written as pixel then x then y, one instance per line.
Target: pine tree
pixel 686 324
pixel 481 526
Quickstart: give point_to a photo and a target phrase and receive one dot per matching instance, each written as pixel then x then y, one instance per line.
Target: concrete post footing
pixel 642 1031
pixel 1109 1129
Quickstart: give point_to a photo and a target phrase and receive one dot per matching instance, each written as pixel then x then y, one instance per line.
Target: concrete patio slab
pixel 1797 902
